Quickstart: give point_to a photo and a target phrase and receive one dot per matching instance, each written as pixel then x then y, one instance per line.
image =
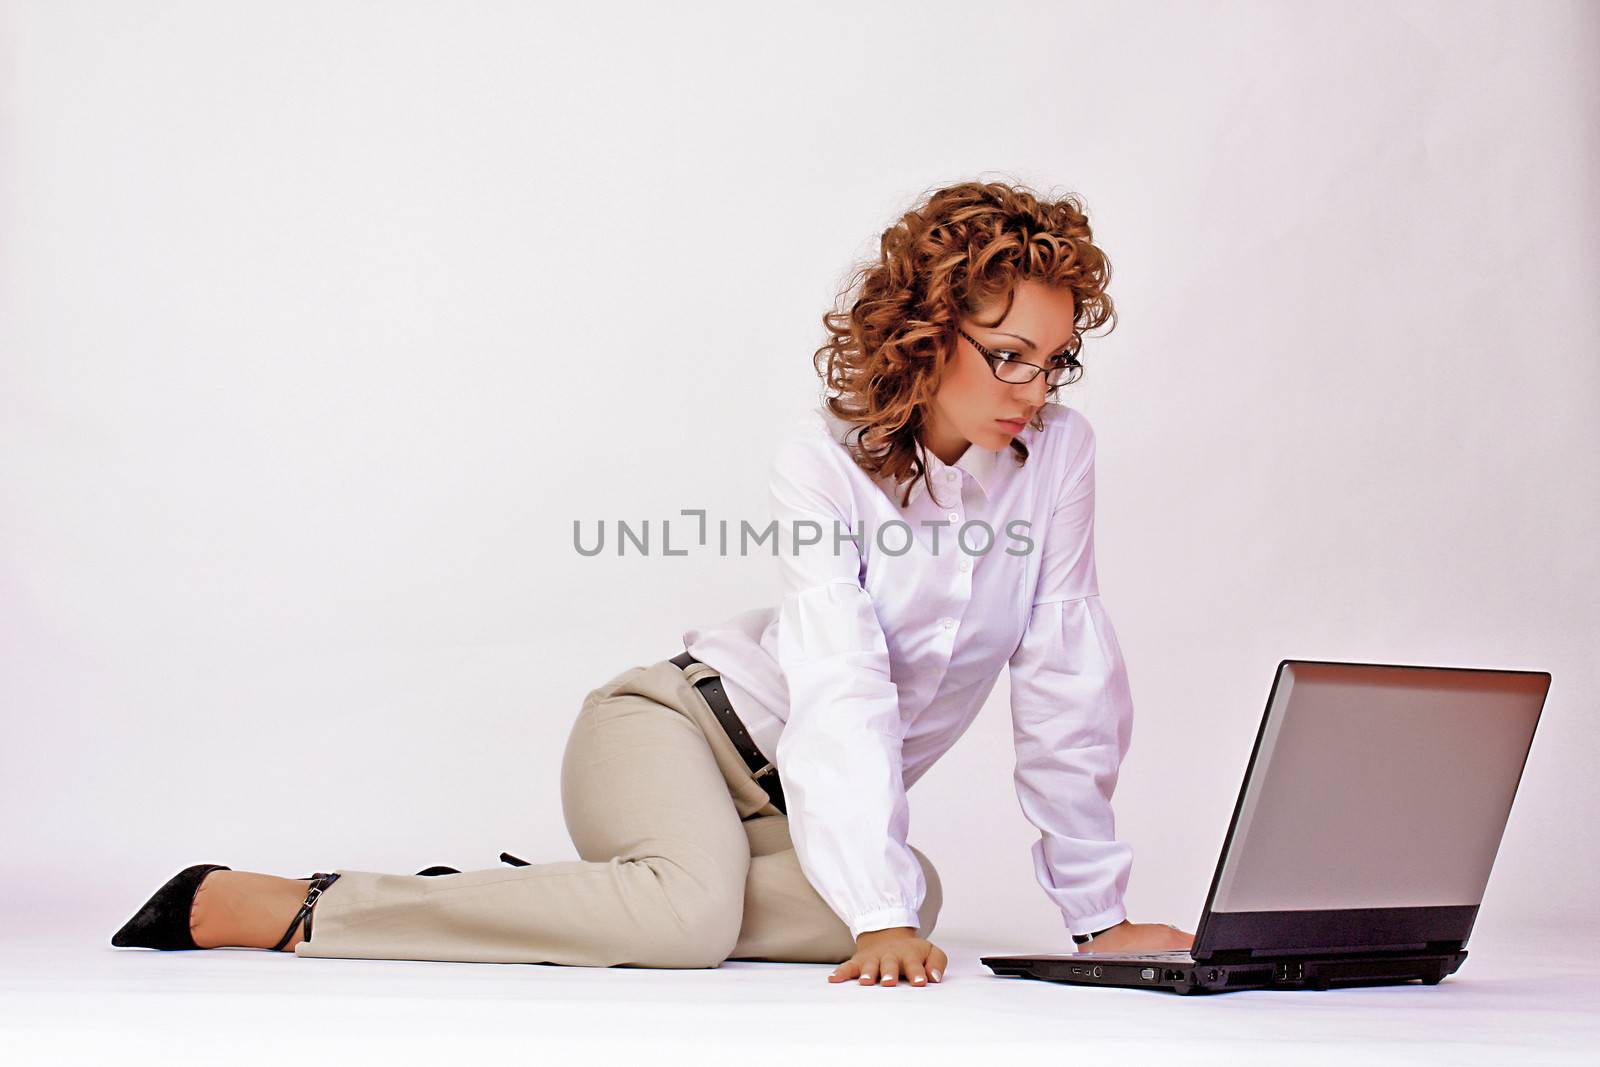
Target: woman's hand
pixel 1139 937
pixel 891 953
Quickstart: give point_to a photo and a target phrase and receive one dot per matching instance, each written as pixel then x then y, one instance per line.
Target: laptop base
pixel 1180 975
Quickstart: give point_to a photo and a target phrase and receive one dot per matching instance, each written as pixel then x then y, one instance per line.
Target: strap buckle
pixel 319 884
pixel 768 769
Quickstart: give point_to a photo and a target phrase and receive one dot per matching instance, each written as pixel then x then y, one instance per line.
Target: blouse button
pixel 950 476
pixel 966 564
pixel 955 516
pixel 949 623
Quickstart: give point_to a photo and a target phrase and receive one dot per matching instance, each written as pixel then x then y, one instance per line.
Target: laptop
pixel 1361 842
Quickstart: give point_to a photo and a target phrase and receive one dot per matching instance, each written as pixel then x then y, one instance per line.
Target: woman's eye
pixel 1016 357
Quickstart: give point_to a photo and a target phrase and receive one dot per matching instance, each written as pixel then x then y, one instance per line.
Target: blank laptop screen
pixel 1379 787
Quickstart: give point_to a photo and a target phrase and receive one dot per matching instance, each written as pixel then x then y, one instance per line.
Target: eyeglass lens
pixel 1017 372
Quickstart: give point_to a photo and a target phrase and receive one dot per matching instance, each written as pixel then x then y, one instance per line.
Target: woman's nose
pixel 1033 393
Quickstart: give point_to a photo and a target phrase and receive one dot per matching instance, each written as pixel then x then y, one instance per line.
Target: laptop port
pixel 1148 974
pixel 1174 976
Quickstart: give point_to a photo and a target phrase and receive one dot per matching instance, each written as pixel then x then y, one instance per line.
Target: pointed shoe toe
pixel 163 922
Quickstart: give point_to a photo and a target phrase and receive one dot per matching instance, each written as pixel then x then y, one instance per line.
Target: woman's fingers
pixel 890 969
pixel 919 968
pixel 915 973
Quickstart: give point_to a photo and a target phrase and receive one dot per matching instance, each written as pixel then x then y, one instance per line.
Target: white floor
pixel 69 997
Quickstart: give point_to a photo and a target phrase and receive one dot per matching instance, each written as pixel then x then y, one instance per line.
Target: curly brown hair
pixel 957 249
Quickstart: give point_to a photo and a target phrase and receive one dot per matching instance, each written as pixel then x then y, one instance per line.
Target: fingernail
pixel 937 976
pixel 918 979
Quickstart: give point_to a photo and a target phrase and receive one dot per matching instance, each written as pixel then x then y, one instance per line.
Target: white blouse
pixel 882 652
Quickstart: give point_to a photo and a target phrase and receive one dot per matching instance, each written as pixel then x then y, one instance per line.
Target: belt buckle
pixel 768 769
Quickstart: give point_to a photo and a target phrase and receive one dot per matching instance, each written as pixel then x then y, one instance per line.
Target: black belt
pixel 764 770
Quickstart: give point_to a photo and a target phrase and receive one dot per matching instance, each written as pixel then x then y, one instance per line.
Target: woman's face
pixel 972 406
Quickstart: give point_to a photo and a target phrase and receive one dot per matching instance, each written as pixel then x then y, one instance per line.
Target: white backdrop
pixel 322 322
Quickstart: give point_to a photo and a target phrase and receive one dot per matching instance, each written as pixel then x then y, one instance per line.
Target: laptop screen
pixel 1378 786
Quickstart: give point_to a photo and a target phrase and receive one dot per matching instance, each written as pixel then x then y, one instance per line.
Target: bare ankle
pixel 245 909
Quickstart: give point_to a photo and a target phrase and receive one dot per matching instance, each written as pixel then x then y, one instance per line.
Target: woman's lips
pixel 1014 426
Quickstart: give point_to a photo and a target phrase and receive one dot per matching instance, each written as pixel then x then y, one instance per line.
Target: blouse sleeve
pixel 1072 712
pixel 839 753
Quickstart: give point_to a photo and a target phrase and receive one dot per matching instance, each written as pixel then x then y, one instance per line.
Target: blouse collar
pixel 978 462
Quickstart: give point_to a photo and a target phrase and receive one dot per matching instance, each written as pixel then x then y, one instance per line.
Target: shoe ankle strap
pixel 319 882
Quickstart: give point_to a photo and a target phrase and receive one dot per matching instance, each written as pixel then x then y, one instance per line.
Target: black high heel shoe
pixel 163 922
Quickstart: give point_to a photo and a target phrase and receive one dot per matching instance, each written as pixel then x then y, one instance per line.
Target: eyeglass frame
pixel 994 361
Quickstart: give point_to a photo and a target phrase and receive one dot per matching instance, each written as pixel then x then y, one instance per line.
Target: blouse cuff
pixel 884 919
pixel 1100 920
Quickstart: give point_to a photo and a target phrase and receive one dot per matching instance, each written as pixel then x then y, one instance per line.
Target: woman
pixel 935 517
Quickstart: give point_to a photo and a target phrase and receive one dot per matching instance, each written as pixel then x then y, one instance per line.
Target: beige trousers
pixel 685 861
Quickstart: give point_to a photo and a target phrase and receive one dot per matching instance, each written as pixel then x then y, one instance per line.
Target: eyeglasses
pixel 1013 370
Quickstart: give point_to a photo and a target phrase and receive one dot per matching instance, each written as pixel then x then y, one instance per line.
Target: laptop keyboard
pixel 1177 954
